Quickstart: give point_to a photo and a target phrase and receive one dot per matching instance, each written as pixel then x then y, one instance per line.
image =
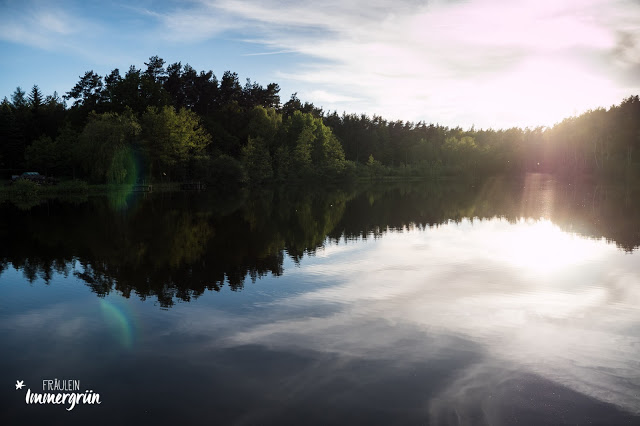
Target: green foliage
pixel 123 167
pixel 160 121
pixel 301 165
pixel 264 123
pixel 461 155
pixel 65 146
pixel 227 173
pixel 42 154
pixel 281 163
pixel 103 144
pixel 333 161
pixel 170 138
pixel 375 169
pixel 314 150
pixel 257 161
pixel 350 171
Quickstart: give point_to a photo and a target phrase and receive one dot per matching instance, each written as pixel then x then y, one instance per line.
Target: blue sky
pixel 486 63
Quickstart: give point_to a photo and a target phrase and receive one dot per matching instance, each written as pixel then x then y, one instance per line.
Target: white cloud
pixel 484 62
pixel 55 22
pixel 324 96
pixel 279 52
pixel 480 62
pixel 194 25
pixel 39 27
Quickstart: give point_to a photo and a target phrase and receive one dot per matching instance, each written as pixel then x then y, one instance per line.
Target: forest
pixel 168 123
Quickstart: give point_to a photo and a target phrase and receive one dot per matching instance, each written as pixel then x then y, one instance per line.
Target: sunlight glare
pixel 543 247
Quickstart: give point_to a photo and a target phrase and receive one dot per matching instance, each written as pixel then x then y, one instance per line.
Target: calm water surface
pixel 509 301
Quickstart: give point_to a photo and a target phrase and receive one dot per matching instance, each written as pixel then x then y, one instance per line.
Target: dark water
pixel 506 302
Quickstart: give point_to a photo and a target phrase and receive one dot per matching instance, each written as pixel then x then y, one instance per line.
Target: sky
pixel 482 63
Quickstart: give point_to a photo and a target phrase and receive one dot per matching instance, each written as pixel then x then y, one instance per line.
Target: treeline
pixel 166 124
pixel 174 123
pixel 601 141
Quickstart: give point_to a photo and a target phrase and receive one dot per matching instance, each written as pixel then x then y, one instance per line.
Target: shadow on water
pixel 176 245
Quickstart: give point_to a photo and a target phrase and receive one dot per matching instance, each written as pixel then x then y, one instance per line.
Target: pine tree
pixel 35 97
pixel 18 98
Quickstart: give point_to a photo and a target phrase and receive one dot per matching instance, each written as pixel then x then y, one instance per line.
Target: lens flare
pixel 120 322
pixel 128 172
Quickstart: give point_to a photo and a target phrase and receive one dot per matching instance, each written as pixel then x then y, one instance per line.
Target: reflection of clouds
pixel 492 393
pixel 329 250
pixel 55 320
pixel 473 397
pixel 576 325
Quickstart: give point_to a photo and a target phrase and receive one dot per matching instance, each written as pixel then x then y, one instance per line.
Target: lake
pixel 504 301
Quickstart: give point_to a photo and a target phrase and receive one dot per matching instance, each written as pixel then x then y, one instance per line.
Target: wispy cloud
pixel 481 61
pixel 187 26
pixel 279 52
pixel 59 28
pixel 324 96
pixel 38 28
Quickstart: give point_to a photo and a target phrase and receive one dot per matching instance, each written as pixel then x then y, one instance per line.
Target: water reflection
pixel 577 327
pixel 176 246
pixel 507 302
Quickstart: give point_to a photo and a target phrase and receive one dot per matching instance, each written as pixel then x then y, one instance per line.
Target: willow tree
pixel 106 144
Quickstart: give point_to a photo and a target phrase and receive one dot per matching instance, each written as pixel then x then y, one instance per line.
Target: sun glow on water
pixel 543 247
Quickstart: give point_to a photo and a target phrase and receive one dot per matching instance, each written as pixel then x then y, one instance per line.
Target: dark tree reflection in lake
pixel 506 301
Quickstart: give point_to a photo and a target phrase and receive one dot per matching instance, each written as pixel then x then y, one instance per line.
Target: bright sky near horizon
pixel 486 63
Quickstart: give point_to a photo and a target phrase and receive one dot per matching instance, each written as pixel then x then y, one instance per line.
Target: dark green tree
pixel 18 98
pixel 87 92
pixel 35 98
pixel 42 155
pixel 257 161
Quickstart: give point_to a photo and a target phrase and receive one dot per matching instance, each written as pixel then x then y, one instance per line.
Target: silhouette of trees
pixel 295 140
pixel 35 98
pixel 87 92
pixel 18 98
pixel 41 154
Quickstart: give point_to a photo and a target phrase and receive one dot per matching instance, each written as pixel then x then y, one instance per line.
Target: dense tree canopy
pixel 171 122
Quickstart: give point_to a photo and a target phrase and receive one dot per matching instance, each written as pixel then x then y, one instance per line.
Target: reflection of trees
pixel 169 246
pixel 176 245
pixel 590 210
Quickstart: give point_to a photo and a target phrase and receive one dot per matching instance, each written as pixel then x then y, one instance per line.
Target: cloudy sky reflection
pixel 500 286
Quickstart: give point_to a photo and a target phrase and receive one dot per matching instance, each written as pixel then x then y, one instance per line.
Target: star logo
pixel 19 384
